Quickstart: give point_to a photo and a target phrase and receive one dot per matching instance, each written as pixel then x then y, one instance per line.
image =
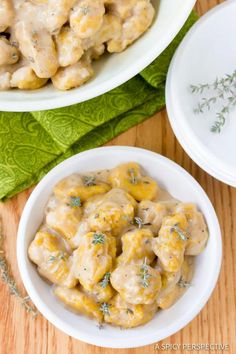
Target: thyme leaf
pixel 144 274
pixel 98 237
pixel 221 91
pixel 133 176
pixel 105 281
pixel 129 311
pixel 89 181
pixel 183 283
pixel 85 10
pixel 139 222
pixel 14 56
pixel 105 308
pixel 75 202
pixel 57 257
pixel 182 235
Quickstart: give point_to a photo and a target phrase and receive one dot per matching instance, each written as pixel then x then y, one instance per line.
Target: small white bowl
pixel 182 186
pixel 110 71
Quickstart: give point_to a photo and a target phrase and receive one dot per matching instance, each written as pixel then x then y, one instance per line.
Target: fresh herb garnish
pixel 183 283
pixel 14 56
pixel 98 237
pixel 139 222
pixel 57 257
pixel 85 10
pixel 133 176
pixel 105 281
pixel 75 202
pixel 144 274
pixel 89 181
pixel 8 279
pixel 182 235
pixel 221 90
pixel 105 308
pixel 128 310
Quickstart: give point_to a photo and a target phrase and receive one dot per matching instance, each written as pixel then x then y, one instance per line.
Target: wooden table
pixel 22 334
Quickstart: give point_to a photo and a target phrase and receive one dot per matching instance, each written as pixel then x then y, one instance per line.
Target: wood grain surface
pixel 22 334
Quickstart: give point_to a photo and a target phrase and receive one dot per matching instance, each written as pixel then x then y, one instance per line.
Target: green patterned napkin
pixel 33 143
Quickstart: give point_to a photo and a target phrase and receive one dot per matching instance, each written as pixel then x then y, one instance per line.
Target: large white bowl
pixel 182 186
pixel 110 71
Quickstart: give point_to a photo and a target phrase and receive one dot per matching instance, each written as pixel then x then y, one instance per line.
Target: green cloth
pixel 33 143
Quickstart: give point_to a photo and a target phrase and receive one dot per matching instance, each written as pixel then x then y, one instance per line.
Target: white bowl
pixel 110 71
pixel 182 186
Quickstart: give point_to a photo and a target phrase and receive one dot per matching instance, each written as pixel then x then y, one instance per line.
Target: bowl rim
pixel 86 337
pixel 75 97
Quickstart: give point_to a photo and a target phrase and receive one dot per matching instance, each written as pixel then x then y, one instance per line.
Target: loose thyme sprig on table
pixel 9 280
pixel 221 90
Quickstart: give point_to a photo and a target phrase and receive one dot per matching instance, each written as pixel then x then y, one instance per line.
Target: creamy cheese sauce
pixel 116 246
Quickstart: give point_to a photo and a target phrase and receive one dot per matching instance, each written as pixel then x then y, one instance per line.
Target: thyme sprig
pixel 224 91
pixel 182 234
pixel 139 222
pixel 105 281
pixel 105 308
pixel 89 181
pixel 183 283
pixel 98 237
pixel 133 176
pixel 129 311
pixel 57 257
pixel 75 202
pixel 85 10
pixel 10 281
pixel 144 274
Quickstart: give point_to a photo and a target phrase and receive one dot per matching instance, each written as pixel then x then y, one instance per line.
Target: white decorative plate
pixel 207 52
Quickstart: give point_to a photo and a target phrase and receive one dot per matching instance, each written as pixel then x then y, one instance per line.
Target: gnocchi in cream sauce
pixel 115 246
pixel 57 40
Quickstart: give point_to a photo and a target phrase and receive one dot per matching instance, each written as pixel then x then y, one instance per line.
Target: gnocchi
pixel 117 249
pixel 57 40
pixel 25 78
pixel 8 53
